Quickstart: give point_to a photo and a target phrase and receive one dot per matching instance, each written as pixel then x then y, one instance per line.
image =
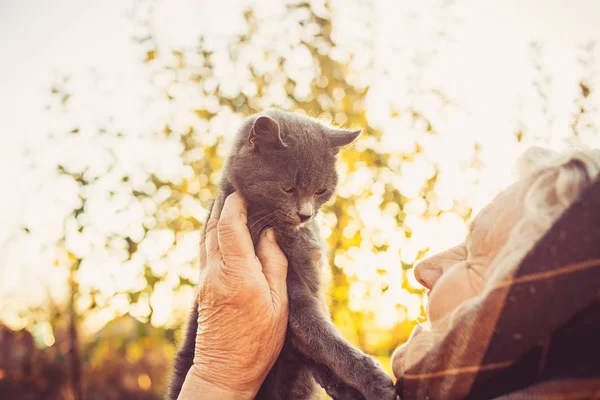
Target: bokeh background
pixel 117 116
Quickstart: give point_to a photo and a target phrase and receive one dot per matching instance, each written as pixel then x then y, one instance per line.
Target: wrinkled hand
pixel 242 305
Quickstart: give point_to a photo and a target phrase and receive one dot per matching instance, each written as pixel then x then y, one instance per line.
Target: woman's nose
pixel 427 273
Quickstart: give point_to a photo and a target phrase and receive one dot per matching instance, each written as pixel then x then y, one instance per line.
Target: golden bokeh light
pixel 119 164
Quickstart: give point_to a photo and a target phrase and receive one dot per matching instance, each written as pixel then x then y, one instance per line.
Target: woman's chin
pixel 399 356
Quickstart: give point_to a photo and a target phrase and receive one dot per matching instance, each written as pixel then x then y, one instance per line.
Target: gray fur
pixel 276 149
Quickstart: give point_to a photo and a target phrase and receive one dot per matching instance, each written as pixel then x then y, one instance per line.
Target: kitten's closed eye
pixel 292 189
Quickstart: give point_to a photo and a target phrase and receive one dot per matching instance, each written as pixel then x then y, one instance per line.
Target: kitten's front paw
pixel 385 391
pixel 380 386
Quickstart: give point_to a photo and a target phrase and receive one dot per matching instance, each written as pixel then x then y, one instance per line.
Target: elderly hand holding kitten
pixel 238 287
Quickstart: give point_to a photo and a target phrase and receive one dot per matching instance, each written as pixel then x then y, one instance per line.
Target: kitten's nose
pixel 306 211
pixel 303 217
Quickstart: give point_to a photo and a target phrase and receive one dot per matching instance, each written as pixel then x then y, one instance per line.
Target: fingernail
pixel 271 235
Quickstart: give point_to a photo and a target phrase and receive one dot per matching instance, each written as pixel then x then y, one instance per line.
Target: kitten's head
pixel 284 166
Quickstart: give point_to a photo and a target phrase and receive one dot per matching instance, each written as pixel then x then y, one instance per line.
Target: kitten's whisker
pixel 267 222
pixel 261 219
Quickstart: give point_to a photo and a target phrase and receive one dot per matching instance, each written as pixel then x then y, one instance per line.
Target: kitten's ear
pixel 339 138
pixel 265 133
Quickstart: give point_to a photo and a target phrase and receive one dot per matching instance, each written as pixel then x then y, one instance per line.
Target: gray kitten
pixel 283 164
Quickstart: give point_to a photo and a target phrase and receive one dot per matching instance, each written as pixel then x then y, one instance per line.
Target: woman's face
pixel 459 273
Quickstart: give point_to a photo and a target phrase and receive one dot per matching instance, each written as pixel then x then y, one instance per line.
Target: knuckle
pixel 277 266
pixel 211 225
pixel 210 253
pixel 281 262
pixel 234 262
pixel 226 226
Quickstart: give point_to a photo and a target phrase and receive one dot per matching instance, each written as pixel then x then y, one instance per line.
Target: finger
pixel 209 243
pixel 217 207
pixel 274 263
pixel 234 238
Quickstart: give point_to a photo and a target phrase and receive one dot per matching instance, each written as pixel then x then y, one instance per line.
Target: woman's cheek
pixel 449 292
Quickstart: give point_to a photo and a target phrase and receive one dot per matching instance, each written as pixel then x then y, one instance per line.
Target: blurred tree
pixel 128 247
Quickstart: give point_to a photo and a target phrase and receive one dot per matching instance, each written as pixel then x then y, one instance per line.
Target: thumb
pixel 274 264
